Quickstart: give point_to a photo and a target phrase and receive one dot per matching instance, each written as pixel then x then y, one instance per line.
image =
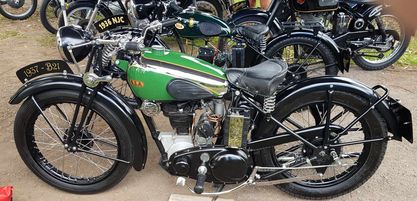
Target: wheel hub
pixel 16 3
pixel 296 72
pixel 322 155
pixel 85 141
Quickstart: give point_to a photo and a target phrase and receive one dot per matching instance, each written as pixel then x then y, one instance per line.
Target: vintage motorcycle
pixel 375 35
pixel 317 138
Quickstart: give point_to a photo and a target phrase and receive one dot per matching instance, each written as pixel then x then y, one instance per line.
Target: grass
pixel 9 34
pixel 47 40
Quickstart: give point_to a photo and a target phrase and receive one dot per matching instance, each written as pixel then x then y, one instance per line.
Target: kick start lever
pixel 201 176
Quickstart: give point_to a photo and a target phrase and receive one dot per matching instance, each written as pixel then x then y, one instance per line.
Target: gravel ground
pixel 25 42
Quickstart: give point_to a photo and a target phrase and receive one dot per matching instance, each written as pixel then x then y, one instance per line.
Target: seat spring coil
pixel 269 104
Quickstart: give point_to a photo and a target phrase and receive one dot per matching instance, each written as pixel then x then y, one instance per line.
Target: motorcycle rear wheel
pixel 332 183
pixel 373 62
pixel 306 57
pixel 73 171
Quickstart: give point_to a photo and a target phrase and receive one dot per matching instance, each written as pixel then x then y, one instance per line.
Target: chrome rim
pixel 390 22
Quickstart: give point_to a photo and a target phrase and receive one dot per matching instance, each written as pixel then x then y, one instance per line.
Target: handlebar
pixel 169 22
pixel 174 6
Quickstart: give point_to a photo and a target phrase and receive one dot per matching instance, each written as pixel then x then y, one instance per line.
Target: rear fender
pixel 398 118
pixel 108 96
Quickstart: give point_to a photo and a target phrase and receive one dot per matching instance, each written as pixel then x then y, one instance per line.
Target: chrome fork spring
pixel 107 53
pixel 269 104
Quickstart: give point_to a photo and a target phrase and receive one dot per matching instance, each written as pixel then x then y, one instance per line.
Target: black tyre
pixel 306 57
pixel 18 10
pixel 211 6
pixel 73 171
pixel 50 12
pixel 355 163
pixel 79 12
pixel 382 57
pixel 256 20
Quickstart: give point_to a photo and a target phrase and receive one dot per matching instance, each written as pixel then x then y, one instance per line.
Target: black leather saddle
pixel 263 79
pixel 254 32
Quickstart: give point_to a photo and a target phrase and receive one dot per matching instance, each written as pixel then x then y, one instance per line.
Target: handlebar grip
pixel 169 22
pixel 199 185
pixel 175 7
pixel 132 46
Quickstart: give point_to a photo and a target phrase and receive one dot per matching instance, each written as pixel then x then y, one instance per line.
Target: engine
pixel 191 139
pixel 187 133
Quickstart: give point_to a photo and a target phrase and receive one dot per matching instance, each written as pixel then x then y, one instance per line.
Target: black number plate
pixel 40 68
pixel 111 23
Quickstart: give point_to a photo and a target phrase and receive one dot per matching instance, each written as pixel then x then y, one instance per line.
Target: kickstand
pixel 219 189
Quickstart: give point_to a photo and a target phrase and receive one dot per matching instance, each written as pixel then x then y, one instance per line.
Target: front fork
pixel 74 132
pixel 63 5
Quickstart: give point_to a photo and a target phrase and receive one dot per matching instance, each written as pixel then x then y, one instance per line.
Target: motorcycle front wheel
pixel 86 166
pixel 18 9
pixel 348 167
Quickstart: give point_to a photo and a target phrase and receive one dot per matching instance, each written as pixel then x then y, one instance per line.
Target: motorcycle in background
pixel 17 9
pixel 376 37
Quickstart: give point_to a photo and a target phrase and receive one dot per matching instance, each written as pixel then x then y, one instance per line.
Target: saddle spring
pixel 269 104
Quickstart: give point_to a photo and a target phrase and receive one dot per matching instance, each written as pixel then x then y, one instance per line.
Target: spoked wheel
pixel 340 169
pixel 122 88
pixel 93 162
pixel 80 12
pixel 50 12
pixel 306 57
pixel 386 51
pixel 18 9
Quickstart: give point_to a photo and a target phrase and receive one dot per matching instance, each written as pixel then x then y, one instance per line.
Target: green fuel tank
pixel 197 24
pixel 165 75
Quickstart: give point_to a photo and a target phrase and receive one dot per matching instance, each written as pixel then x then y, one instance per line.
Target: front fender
pixel 398 118
pixel 107 95
pixel 341 55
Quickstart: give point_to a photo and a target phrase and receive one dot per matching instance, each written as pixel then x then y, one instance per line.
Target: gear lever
pixel 201 176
